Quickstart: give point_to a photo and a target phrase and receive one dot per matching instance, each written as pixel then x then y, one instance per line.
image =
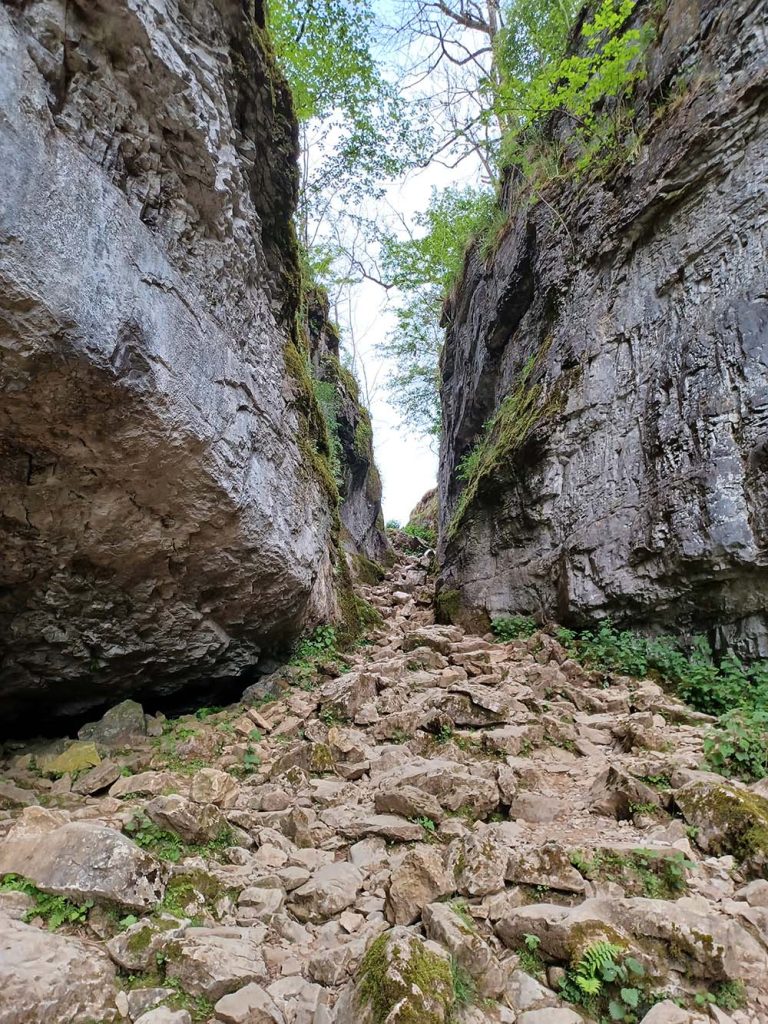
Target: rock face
pixel 629 311
pixel 351 438
pixel 166 509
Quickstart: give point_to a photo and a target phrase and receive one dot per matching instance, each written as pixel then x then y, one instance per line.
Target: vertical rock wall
pixel 351 433
pixel 639 297
pixel 161 514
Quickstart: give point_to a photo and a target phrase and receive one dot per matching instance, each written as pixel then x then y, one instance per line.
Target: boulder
pixel 400 978
pixel 162 1015
pixel 195 823
pixel 213 962
pixel 212 786
pixel 119 727
pixel 76 758
pixel 417 880
pixel 330 890
pixel 479 862
pixel 46 978
pixel 730 819
pixel 249 1005
pixel 83 860
pixel 548 865
pixel 97 779
pixel 469 950
pixel 408 801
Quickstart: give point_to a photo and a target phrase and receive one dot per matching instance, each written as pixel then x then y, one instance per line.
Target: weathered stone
pixel 410 802
pixel 211 786
pixel 98 778
pixel 214 962
pixel 136 948
pixel 51 979
pixel 144 784
pixel 730 820
pixel 479 863
pixel 249 1005
pixel 400 978
pixel 471 952
pixel 162 1015
pixel 12 795
pixel 76 758
pixel 196 823
pixel 84 861
pixel 615 792
pixel 419 879
pixel 118 727
pixel 548 865
pixel 142 999
pixel 330 890
pixel 354 825
pixel 627 485
pixel 149 311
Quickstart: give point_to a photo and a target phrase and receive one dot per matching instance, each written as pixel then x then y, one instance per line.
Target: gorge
pixel 507 765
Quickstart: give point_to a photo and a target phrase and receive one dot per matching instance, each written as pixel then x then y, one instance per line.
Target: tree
pixel 422 267
pixel 356 128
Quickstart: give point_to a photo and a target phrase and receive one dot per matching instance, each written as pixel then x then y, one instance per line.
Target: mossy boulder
pixel 729 819
pixel 401 980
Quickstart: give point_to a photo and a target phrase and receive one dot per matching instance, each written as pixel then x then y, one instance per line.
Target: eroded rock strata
pixel 635 296
pixel 162 513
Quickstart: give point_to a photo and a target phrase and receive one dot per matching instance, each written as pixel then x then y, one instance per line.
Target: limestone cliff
pixel 351 437
pixel 623 318
pixel 165 507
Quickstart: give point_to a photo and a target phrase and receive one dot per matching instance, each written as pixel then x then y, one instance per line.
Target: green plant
pixel 54 910
pixel 529 956
pixel 604 975
pixel 145 833
pixel 738 745
pixel 504 434
pixel 421 532
pixel 464 991
pixel 461 910
pixel 688 669
pixel 430 828
pixel 513 627
pixel 251 759
pixel 730 995
pixel 202 713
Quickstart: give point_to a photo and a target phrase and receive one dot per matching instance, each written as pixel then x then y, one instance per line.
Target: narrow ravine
pixel 434 827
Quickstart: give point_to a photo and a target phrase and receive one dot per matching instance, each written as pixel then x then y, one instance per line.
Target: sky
pixel 406 460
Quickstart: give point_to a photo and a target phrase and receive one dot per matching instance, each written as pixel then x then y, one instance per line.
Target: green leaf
pixel 631 996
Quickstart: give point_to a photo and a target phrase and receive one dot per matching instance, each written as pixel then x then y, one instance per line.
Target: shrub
pixel 713 689
pixel 738 745
pixel 513 627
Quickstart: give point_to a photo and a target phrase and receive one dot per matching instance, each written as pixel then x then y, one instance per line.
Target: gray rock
pixel 47 978
pixel 639 491
pixel 84 861
pixel 164 513
pixel 98 778
pixel 330 890
pixel 214 962
pixel 417 880
pixel 196 823
pixel 121 725
pixel 162 1015
pixel 249 1005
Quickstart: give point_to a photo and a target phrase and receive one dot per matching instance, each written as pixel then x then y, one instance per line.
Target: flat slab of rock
pixel 84 861
pixel 329 891
pixel 46 978
pixel 213 962
pixel 249 1005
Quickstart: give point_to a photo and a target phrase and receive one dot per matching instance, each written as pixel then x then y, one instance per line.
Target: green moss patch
pixel 404 969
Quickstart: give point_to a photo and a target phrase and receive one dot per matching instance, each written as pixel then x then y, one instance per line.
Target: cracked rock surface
pixel 639 294
pixel 159 520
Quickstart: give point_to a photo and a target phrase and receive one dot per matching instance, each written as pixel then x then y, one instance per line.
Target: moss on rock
pixel 399 969
pixel 730 820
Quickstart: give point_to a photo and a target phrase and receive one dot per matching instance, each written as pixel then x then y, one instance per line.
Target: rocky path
pixel 437 828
